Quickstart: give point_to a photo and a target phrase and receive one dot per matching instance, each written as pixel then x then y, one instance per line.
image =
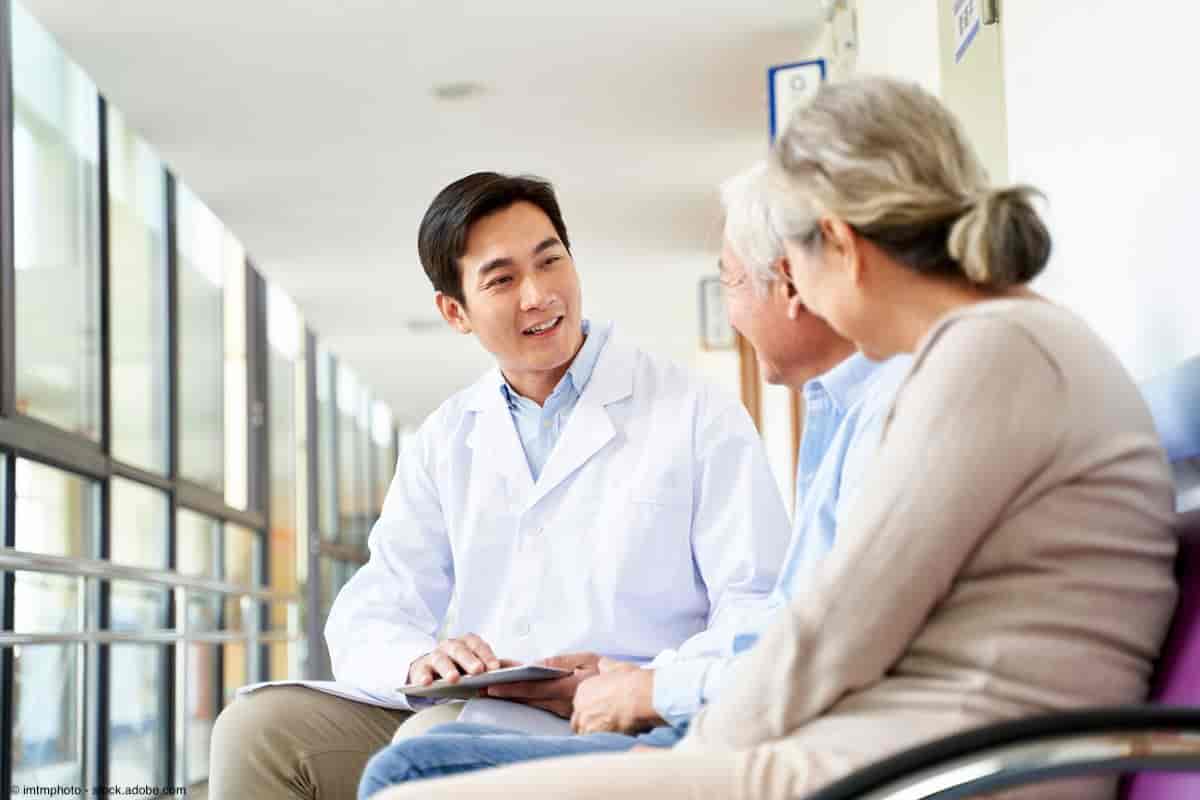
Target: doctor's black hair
pixel 442 237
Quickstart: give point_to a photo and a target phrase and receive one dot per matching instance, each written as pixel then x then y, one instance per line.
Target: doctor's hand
pixel 619 700
pixel 453 658
pixel 556 695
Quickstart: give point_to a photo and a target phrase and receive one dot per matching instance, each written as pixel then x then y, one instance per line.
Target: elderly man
pixel 846 398
pixel 582 499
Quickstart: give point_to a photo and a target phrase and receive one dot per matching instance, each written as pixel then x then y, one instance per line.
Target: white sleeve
pixel 740 527
pixel 389 612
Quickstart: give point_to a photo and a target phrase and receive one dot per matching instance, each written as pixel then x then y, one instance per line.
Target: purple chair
pixel 1159 741
pixel 1174 401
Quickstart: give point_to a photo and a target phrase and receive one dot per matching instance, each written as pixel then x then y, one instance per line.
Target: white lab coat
pixel 655 520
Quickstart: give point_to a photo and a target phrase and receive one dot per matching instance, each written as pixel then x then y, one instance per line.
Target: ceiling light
pixel 457 90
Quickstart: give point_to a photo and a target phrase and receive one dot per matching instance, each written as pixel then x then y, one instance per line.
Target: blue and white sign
pixel 967 19
pixel 790 86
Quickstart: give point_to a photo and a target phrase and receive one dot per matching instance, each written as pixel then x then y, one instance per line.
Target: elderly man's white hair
pixel 749 227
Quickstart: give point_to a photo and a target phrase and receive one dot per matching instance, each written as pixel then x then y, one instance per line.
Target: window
pixel 327 461
pixel 198 541
pixel 47 746
pixel 97 375
pixel 334 575
pixel 353 489
pixel 201 260
pixel 137 714
pixel 56 233
pixel 56 511
pixel 56 514
pixel 383 451
pixel 288 542
pixel 139 530
pixel 137 299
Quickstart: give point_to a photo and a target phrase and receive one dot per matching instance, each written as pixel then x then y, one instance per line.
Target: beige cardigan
pixel 1011 552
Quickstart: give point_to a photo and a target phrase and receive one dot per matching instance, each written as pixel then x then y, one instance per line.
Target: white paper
pixel 338 690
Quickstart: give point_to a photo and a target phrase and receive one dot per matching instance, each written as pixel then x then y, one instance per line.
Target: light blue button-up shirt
pixel 539 427
pixel 844 412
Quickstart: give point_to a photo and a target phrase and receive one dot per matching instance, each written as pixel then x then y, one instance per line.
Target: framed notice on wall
pixel 790 86
pixel 715 331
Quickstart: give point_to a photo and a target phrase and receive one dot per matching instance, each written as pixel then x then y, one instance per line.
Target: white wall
pixel 900 39
pixel 974 88
pixel 1102 116
pixel 777 435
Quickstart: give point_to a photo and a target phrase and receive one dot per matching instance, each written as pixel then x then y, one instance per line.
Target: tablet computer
pixel 469 685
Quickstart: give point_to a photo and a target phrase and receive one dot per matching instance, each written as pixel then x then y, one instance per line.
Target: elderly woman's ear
pixel 841 247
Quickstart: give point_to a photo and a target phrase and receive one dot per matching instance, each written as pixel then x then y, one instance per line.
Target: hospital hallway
pixel 218 340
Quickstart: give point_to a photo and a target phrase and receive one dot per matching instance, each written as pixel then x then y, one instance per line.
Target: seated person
pixel 846 397
pixel 1010 552
pixel 583 498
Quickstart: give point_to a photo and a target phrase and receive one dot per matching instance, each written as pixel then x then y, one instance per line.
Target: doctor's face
pixel 522 294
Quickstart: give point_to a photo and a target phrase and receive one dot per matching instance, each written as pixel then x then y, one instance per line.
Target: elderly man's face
pixel 790 351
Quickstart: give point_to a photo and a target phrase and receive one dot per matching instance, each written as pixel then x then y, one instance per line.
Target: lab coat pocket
pixel 658 536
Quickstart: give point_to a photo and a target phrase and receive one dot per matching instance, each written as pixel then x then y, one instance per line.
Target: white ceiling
pixel 311 130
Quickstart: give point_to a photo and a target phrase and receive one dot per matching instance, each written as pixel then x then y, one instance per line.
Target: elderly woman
pixel 1010 552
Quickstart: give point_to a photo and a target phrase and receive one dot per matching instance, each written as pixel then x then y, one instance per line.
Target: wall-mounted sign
pixel 967 19
pixel 715 331
pixel 790 86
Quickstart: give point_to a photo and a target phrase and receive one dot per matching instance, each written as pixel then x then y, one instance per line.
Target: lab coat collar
pixel 588 429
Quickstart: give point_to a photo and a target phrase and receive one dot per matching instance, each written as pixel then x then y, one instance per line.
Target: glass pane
pixel 56 244
pixel 202 706
pixel 201 242
pixel 198 541
pixel 283 618
pixel 352 457
pixel 237 421
pixel 202 612
pixel 56 511
pixel 137 298
pixel 241 614
pixel 136 733
pixel 334 575
pixel 139 523
pixel 243 561
pixel 237 666
pixel 383 451
pixel 285 661
pixel 137 606
pixel 284 334
pixel 46 742
pixel 326 425
pixel 45 603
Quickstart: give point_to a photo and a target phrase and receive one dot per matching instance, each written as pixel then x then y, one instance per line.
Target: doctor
pixel 582 499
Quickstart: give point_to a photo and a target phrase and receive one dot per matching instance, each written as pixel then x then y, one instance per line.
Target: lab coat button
pixel 521 628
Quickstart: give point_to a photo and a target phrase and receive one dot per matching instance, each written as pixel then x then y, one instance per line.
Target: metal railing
pixel 180 636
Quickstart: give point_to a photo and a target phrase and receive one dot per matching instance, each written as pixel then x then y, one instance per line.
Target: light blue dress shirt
pixel 844 412
pixel 538 427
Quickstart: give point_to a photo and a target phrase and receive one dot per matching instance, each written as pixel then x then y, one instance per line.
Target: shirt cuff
pixel 679 688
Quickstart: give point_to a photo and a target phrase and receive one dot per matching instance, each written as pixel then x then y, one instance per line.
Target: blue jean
pixel 464 747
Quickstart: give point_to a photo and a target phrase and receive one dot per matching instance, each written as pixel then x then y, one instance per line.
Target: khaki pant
pixel 297 743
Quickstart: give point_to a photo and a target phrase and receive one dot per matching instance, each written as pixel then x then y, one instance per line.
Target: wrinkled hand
pixel 620 699
pixel 555 696
pixel 453 658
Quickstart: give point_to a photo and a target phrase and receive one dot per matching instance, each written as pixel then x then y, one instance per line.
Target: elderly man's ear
pixel 783 284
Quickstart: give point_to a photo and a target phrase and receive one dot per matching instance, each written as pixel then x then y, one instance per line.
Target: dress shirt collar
pixel 845 383
pixel 577 375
